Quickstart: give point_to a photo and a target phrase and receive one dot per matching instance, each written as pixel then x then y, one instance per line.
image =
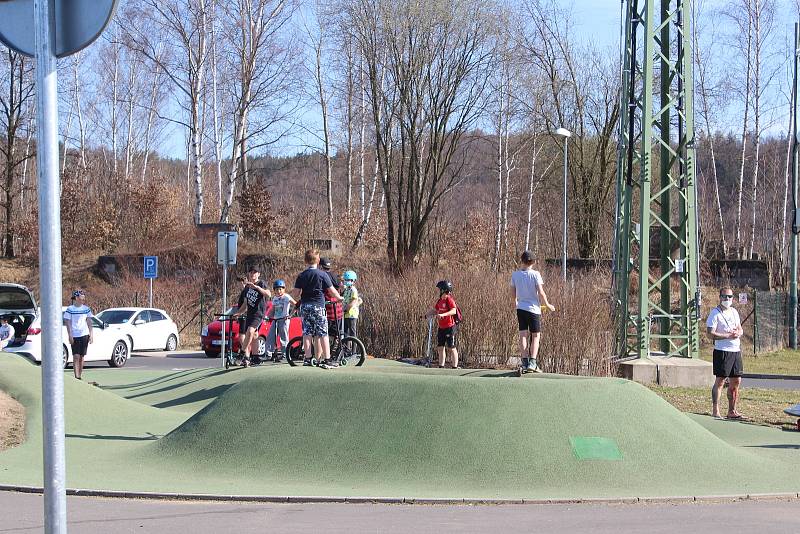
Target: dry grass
pixel 12 422
pixel 575 340
pixel 760 406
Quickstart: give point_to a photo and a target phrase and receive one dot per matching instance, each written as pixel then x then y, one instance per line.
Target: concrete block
pixel 643 371
pixel 670 372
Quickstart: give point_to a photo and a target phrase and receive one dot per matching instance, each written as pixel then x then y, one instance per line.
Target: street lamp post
pixel 566 134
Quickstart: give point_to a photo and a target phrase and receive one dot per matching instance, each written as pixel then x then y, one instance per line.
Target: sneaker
pixel 329 364
pixel 532 367
pixel 307 362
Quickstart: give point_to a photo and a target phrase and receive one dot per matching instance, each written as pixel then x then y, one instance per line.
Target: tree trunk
pixel 114 99
pixel 745 122
pixel 325 132
pixel 531 188
pixel 128 139
pixel 81 125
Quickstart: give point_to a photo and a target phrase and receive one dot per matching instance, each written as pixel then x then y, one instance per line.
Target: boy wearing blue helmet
pixel 279 315
pixel 351 302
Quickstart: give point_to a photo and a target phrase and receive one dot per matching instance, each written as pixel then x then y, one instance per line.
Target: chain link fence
pixel 769 321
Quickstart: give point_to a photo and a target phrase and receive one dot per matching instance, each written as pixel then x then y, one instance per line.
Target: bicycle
pixel 345 350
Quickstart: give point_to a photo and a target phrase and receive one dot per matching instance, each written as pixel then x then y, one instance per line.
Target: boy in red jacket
pixel 445 311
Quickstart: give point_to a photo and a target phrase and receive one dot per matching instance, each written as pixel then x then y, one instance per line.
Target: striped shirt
pixel 77 315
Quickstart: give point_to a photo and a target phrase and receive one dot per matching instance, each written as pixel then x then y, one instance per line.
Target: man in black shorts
pixel 725 328
pixel 254 306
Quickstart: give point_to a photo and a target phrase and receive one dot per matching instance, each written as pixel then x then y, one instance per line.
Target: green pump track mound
pixel 389 430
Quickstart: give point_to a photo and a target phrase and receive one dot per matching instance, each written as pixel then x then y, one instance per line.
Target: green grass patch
pixel 759 406
pixel 388 430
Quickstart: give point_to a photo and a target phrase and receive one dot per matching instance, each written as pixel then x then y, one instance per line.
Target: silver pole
pixel 564 240
pixel 151 292
pixel 795 222
pixel 224 298
pixel 55 497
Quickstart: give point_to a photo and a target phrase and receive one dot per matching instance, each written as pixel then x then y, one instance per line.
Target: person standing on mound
pixel 254 305
pixel 527 288
pixel 310 288
pixel 446 312
pixel 725 328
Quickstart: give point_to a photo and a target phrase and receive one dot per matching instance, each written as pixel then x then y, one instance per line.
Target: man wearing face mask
pixel 725 328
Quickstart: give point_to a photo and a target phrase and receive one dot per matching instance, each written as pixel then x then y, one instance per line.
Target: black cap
pixel 445 285
pixel 527 257
pixel 325 263
pixel 253 269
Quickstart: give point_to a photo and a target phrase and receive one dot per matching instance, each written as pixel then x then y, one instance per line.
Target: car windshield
pixel 115 316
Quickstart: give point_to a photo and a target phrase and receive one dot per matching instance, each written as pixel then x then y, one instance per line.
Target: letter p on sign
pixel 151 266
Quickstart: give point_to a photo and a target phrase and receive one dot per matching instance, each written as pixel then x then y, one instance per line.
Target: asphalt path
pixel 770 383
pixel 99 515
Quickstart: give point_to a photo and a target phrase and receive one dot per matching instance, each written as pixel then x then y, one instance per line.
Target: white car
pixel 17 302
pixel 146 328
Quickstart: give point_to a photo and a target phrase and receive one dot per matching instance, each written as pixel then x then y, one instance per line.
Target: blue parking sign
pixel 151 267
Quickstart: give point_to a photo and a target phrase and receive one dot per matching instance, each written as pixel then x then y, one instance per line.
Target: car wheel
pixel 210 354
pixel 172 343
pixel 119 356
pixel 64 356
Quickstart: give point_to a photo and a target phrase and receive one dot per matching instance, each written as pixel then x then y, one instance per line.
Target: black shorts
pixel 80 345
pixel 529 321
pixel 727 363
pixel 253 321
pixel 446 337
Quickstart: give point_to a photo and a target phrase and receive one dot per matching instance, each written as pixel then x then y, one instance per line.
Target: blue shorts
pixel 315 320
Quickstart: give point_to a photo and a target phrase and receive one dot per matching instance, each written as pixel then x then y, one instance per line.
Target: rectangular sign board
pixel 226 248
pixel 151 267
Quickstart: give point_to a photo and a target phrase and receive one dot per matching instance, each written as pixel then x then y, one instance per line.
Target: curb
pixel 402 500
pixel 758 376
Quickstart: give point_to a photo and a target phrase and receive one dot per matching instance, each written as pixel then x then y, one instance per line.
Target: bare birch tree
pixel 437 61
pixel 260 69
pixel 709 95
pixel 185 26
pixel 16 96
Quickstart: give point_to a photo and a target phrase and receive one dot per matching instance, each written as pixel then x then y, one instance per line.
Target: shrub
pixel 576 338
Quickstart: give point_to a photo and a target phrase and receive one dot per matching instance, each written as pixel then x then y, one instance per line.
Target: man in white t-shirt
pixel 528 291
pixel 78 320
pixel 725 328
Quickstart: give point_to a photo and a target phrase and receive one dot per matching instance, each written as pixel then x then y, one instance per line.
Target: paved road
pixel 770 383
pixel 97 515
pixel 159 360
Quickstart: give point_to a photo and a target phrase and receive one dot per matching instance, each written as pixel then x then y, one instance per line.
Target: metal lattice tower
pixel 656 257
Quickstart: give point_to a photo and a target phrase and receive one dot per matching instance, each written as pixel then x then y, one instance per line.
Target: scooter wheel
pixel 314 362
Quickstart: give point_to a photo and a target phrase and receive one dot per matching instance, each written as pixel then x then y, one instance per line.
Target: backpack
pixel 458 317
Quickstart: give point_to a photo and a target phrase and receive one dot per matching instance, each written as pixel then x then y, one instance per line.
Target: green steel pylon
pixel 656 258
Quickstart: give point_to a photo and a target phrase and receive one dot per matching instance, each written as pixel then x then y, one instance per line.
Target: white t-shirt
pixel 526 283
pixel 280 306
pixel 724 322
pixel 77 316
